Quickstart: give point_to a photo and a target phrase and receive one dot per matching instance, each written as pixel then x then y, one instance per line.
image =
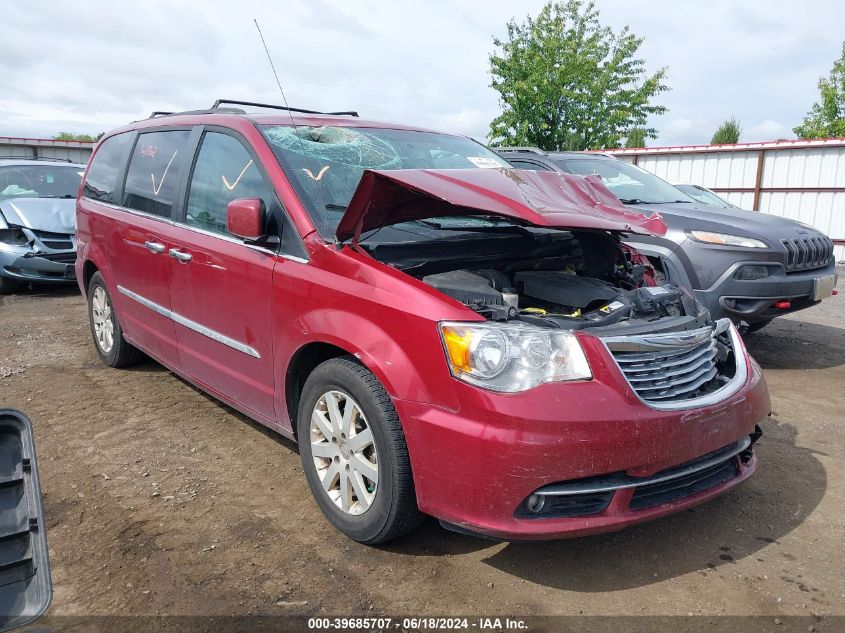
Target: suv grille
pixel 669 370
pixel 807 253
pixel 54 241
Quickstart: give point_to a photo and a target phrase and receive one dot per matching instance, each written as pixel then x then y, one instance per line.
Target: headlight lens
pixel 14 236
pixel 726 240
pixel 512 357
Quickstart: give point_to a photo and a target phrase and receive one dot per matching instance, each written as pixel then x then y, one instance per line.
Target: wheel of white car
pixel 8 286
pixel 354 453
pixel 105 328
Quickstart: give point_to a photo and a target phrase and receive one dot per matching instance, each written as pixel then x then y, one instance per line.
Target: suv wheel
pixel 354 453
pixel 107 333
pixel 8 286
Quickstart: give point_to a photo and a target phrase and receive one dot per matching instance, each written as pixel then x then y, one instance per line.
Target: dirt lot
pixel 160 500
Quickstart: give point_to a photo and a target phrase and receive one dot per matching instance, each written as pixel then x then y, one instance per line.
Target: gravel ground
pixel 161 500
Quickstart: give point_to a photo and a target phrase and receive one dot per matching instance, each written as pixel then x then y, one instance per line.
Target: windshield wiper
pixel 633 201
pixel 66 196
pixel 331 206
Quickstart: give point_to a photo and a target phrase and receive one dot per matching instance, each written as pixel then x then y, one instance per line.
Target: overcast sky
pixel 90 65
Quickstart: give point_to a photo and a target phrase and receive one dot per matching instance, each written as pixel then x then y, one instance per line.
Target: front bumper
pixel 475 468
pixel 754 301
pixel 57 267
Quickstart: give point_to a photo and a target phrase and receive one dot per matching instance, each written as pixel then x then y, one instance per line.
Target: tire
pixel 105 328
pixel 8 286
pixel 372 512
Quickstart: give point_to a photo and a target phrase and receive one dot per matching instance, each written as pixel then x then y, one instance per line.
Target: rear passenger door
pixel 138 236
pixel 221 288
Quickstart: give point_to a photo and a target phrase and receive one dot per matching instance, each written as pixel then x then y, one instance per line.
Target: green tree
pixel 567 82
pixel 636 137
pixel 728 132
pixel 827 116
pixel 71 136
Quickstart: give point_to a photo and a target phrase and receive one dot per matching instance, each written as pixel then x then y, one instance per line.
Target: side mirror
pixel 25 583
pixel 245 218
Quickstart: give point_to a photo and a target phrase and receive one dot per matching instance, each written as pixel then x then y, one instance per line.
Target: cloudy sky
pixel 90 65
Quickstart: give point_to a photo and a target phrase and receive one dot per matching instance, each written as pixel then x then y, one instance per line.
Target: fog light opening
pixel 751 273
pixel 535 503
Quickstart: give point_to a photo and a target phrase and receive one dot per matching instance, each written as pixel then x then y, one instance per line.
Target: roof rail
pixel 533 150
pixel 47 158
pixel 217 104
pixel 159 114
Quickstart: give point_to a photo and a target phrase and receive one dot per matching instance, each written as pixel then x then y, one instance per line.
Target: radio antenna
pixel 273 68
pixel 302 147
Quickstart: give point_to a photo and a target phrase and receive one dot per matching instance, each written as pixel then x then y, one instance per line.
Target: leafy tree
pixel 827 116
pixel 567 82
pixel 728 132
pixel 636 137
pixel 71 136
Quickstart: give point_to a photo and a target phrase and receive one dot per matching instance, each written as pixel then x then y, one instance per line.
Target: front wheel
pixel 105 328
pixel 8 286
pixel 354 453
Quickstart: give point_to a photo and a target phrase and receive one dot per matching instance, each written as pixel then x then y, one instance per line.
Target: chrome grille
pixel 676 369
pixel 808 253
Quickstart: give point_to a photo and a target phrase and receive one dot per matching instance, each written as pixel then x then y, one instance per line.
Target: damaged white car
pixel 37 221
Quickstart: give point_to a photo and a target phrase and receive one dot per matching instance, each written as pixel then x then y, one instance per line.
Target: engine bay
pixel 558 279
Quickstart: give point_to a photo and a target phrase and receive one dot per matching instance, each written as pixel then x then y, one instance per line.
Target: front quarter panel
pixel 379 315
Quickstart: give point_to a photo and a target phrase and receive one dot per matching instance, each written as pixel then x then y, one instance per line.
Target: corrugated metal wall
pixel 802 180
pixel 76 151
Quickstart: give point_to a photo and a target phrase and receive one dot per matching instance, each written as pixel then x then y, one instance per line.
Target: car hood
pixel 57 215
pixel 538 198
pixel 704 217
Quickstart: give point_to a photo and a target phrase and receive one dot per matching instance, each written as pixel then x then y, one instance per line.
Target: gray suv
pixel 37 221
pixel 745 265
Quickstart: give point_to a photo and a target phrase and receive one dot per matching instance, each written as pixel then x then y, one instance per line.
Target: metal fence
pixel 77 151
pixel 802 180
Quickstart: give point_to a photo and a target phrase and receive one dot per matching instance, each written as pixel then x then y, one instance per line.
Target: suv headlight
pixel 14 236
pixel 512 357
pixel 725 239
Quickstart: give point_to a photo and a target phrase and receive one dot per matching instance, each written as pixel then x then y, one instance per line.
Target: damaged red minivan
pixel 442 334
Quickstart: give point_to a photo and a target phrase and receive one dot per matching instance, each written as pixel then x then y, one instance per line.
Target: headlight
pixel 726 240
pixel 13 236
pixel 512 356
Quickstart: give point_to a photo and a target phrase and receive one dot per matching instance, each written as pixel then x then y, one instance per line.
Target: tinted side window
pixel 102 177
pixel 155 170
pixel 223 172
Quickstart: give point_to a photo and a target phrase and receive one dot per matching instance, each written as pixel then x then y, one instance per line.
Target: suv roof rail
pixel 216 106
pixel 533 150
pixel 47 158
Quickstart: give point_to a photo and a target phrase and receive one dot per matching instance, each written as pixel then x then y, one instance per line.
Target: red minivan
pixel 441 333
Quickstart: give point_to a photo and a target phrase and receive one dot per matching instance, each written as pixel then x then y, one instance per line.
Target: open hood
pixel 57 215
pixel 538 198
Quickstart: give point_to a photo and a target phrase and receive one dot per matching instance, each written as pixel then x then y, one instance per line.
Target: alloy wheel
pixel 101 315
pixel 344 452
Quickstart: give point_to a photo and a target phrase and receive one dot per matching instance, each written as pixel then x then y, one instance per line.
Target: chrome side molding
pixel 191 325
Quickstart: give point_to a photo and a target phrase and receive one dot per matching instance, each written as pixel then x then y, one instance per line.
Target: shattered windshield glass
pixel 39 181
pixel 325 164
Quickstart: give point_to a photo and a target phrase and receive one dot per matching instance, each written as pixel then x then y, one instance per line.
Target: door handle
pixel 154 247
pixel 180 256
